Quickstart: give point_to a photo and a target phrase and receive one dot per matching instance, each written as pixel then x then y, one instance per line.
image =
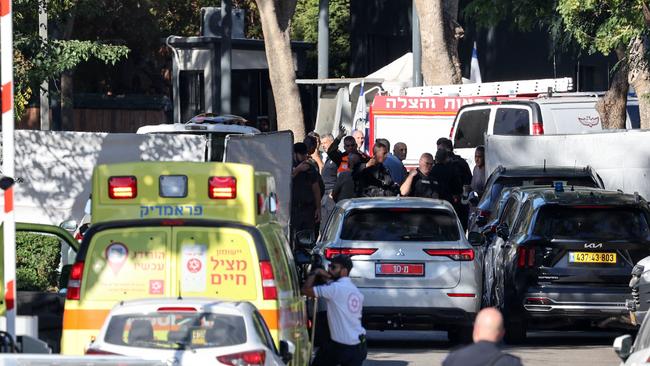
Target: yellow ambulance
pixel 168 229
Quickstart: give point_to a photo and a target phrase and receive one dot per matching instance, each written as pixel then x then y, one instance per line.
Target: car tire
pixel 461 334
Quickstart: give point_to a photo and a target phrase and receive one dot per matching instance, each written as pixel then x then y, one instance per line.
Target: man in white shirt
pixel 347 346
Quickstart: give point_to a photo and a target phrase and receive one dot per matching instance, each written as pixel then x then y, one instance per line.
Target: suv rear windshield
pixel 592 222
pixel 470 128
pixel 176 330
pixel 505 182
pixel 400 224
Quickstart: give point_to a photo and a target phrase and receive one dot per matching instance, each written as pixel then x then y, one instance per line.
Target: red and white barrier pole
pixel 9 224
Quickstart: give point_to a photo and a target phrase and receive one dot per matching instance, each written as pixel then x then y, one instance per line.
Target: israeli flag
pixel 360 114
pixel 475 71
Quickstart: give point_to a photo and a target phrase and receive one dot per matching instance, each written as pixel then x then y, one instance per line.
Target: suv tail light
pixel 74 283
pixel 455 254
pixel 538 128
pixel 332 252
pixel 121 188
pixel 525 257
pixel 244 358
pixel 269 291
pixel 222 188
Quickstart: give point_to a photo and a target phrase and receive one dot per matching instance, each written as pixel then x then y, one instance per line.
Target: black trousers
pixel 338 354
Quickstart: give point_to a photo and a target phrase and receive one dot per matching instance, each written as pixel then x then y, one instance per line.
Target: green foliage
pixel 305 27
pixel 522 15
pixel 602 25
pixel 37 259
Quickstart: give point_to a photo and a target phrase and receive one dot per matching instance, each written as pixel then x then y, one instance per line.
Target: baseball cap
pixel 343 260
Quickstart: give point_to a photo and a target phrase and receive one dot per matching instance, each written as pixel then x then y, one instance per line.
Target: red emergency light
pixel 120 188
pixel 222 188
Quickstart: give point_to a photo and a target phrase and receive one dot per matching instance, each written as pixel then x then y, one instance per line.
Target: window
pixel 509 212
pixel 512 121
pixel 263 331
pixel 332 226
pixel 191 91
pixel 602 223
pixel 175 330
pixel 471 127
pixel 400 224
pixel 523 219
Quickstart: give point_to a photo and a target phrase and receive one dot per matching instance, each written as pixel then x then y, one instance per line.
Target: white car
pixel 411 261
pixel 192 331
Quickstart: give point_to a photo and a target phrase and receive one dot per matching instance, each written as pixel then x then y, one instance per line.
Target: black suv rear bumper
pixel 576 301
pixel 405 318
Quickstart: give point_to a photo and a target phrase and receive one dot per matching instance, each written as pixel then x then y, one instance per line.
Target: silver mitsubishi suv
pixel 411 261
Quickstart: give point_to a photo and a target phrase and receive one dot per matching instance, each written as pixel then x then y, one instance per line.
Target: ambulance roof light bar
pixel 499 88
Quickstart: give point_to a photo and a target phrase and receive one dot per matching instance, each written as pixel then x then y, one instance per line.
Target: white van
pixel 213 126
pixel 569 113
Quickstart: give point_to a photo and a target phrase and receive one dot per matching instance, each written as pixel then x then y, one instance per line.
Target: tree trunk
pixel 453 33
pixel 275 16
pixel 437 62
pixel 612 107
pixel 639 77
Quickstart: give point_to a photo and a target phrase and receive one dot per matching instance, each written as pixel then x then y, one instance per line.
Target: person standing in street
pixel 478 175
pixel 442 173
pixel 347 343
pixel 393 164
pixel 400 151
pixel 462 179
pixel 420 182
pixel 485 351
pixel 345 186
pixel 305 192
pixel 329 175
pixel 359 138
pixel 374 180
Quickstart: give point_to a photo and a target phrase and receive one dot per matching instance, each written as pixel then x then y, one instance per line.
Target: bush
pixel 37 262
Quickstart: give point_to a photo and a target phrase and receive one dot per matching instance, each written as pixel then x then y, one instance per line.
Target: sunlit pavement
pixel 401 348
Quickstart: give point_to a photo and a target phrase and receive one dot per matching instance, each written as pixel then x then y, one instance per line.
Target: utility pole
pixel 226 56
pixel 44 100
pixel 323 39
pixel 417 46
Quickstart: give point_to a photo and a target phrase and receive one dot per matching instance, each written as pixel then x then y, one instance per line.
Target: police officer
pixel 420 182
pixel 485 351
pixel 347 344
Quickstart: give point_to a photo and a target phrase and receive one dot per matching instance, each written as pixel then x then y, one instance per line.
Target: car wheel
pixel 461 335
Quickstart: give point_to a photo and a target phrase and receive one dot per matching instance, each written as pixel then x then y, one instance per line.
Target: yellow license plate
pixel 592 257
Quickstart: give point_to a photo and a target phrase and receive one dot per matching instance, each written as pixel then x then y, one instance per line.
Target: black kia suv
pixel 564 256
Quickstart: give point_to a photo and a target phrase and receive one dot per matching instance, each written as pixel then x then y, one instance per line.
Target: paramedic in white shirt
pixel 347 346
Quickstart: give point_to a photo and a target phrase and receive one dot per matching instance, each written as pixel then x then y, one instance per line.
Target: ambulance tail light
pixel 120 188
pixel 250 358
pixel 222 188
pixel 538 128
pixel 269 291
pixel 74 283
pixel 332 252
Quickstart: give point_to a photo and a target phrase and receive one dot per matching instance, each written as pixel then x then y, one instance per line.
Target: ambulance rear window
pixel 471 127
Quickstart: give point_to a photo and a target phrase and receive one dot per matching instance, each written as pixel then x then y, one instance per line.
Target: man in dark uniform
pixel 305 192
pixel 485 351
pixel 462 176
pixel 374 180
pixel 442 173
pixel 420 182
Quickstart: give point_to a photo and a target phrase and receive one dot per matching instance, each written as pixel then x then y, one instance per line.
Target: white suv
pixel 411 261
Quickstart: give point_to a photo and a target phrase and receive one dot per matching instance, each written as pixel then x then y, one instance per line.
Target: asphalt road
pixel 402 348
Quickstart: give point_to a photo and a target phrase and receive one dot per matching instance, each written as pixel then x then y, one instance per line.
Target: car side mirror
pixel 69 225
pixel 502 231
pixel 473 198
pixel 623 346
pixel 305 239
pixel 287 350
pixel 475 238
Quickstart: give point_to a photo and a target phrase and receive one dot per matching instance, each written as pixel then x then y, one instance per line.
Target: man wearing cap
pixel 347 346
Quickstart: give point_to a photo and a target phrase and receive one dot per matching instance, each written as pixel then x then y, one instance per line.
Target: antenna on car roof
pixel 544 165
pixel 180 296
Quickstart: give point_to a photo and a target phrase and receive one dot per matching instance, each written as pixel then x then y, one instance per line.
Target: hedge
pixel 37 262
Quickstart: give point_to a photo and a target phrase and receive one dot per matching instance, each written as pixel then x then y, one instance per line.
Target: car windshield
pixel 176 330
pixel 400 224
pixel 592 222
